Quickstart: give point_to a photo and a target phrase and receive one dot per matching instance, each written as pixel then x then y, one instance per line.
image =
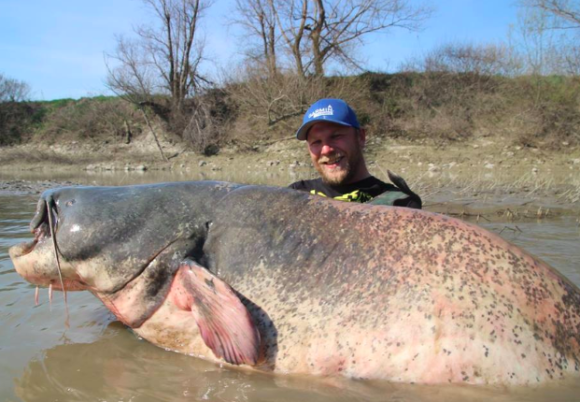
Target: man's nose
pixel 326 149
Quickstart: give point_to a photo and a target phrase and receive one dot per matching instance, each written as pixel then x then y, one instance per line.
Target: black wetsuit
pixel 362 191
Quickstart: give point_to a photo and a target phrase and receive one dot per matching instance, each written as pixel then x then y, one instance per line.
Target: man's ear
pixel 362 137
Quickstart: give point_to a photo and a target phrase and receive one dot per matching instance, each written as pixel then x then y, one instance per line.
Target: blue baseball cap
pixel 330 110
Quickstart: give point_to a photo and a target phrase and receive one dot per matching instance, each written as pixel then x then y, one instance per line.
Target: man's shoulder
pixel 364 190
pixel 370 186
pixel 372 181
pixel 307 185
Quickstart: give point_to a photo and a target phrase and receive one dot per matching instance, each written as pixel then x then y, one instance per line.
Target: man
pixel 335 141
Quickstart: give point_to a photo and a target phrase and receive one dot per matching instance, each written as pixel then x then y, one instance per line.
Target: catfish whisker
pixel 36 296
pixel 52 229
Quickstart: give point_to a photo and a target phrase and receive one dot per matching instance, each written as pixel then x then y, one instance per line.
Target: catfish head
pixel 123 244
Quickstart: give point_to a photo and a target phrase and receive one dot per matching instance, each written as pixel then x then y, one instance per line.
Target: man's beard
pixel 345 174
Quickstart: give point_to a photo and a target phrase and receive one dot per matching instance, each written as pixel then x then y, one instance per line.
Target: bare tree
pixel 12 90
pixel 565 13
pixel 337 24
pixel 557 22
pixel 571 59
pixel 258 19
pixel 163 59
pixel 313 32
pixel 292 16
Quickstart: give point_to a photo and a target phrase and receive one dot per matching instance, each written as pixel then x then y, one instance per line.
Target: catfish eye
pixel 70 203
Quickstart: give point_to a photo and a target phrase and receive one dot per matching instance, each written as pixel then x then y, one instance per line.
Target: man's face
pixel 336 152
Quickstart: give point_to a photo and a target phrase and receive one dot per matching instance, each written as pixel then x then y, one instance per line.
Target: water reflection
pixel 119 367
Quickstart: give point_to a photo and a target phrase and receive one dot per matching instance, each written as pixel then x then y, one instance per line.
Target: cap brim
pixel 302 132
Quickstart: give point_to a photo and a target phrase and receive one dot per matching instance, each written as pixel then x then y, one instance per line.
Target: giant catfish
pixel 286 282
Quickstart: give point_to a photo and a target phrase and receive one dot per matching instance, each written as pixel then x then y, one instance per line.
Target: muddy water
pixel 98 359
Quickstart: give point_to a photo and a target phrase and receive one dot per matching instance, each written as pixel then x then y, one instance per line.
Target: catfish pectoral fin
pixel 225 324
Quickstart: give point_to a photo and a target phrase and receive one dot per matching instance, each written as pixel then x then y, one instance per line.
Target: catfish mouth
pixel 44 226
pixel 41 233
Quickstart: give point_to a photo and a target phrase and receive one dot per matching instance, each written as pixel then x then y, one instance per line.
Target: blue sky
pixel 58 46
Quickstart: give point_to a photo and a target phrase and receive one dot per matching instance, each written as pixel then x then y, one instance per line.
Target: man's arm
pixel 398 199
pixel 400 196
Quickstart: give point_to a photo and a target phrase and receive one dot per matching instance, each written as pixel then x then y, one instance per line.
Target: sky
pixel 58 47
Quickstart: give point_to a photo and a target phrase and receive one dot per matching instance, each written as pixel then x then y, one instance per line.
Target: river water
pixel 98 359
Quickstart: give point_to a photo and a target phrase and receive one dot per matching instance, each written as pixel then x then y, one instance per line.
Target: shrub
pixel 88 118
pixel 17 119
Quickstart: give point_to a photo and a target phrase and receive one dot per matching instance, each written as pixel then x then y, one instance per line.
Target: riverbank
pixel 482 178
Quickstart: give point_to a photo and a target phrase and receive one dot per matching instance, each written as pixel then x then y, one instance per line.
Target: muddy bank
pixel 483 178
pixel 30 187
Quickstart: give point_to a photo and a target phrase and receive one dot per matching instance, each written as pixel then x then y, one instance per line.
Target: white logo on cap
pixel 325 111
